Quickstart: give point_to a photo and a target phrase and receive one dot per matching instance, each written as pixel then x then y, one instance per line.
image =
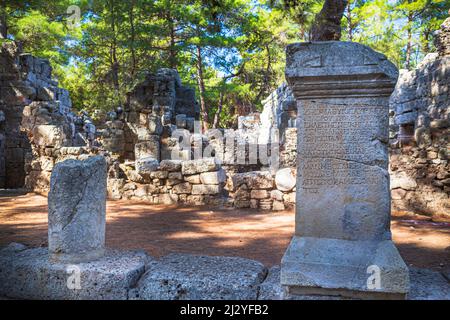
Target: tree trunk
pixel 201 89
pixel 265 83
pixel 172 51
pixel 426 44
pixel 327 23
pixel 132 38
pixel 113 54
pixel 349 21
pixel 219 110
pixel 3 23
pixel 409 44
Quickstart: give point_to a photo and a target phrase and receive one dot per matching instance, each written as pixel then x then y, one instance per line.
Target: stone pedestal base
pixel 77 258
pixel 30 274
pixel 319 266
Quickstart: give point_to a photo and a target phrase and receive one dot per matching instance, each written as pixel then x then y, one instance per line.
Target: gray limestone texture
pixel 187 277
pixel 342 230
pixel 77 210
pixel 30 274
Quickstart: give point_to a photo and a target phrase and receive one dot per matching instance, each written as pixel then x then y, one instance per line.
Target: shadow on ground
pixel 160 230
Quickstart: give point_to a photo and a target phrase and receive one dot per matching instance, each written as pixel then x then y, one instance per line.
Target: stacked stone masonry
pixel 37 127
pixel 200 182
pixel 158 123
pixel 420 131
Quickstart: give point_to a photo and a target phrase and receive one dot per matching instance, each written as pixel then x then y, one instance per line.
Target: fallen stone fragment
pixel 145 166
pixel 198 166
pixel 29 274
pixel 205 189
pixel 187 277
pixel 285 179
pixel 425 285
pixel 216 177
pixel 77 209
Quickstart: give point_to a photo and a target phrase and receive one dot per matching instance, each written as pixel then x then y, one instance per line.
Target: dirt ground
pixel 262 236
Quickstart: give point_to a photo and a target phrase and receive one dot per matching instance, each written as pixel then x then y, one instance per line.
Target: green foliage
pixel 391 26
pixel 238 45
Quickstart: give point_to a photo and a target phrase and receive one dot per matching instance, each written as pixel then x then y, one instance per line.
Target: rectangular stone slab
pixel 343 199
pixel 342 179
pixel 320 266
pixel 28 274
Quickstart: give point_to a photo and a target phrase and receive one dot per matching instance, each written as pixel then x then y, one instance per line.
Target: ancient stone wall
pixel 36 121
pixel 168 181
pixel 14 92
pixel 156 107
pixel 200 182
pixel 420 145
pixel 275 124
pixel 263 190
pixel 159 134
pixel 38 129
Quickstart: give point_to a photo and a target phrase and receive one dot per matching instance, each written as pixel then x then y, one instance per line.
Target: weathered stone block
pixel 171 165
pixel 48 135
pixel 206 189
pixel 30 274
pixel 198 166
pixel 271 289
pixel 402 180
pixel 182 188
pixel 196 200
pixel 149 148
pixel 216 177
pixel 254 203
pixel 190 277
pixel 180 120
pixel 276 195
pixel 344 269
pixel 343 197
pixel 115 188
pixel 265 204
pixel 173 181
pixel 194 179
pixel 278 206
pixel 146 166
pixel 242 194
pixel 175 176
pixel 253 180
pixel 285 179
pixel 77 209
pixel 167 198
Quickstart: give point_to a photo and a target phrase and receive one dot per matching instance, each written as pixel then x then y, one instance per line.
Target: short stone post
pixel 77 210
pixel 342 243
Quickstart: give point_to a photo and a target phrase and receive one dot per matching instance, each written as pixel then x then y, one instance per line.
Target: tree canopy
pixel 231 51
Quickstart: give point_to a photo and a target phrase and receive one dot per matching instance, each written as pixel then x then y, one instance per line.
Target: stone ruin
pixel 157 128
pixel 342 218
pixel 419 135
pixel 156 144
pixel 442 39
pixel 342 225
pixel 76 265
pixel 278 119
pixel 37 127
pixel 419 132
pixel 155 108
